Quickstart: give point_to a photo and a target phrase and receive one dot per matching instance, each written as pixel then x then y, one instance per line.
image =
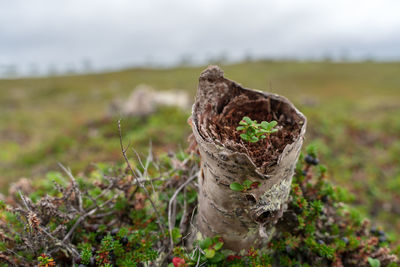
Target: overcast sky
pixel 75 34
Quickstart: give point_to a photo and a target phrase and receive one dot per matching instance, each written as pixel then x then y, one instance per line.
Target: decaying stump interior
pixel 243 219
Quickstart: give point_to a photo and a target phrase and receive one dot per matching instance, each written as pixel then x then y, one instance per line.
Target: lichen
pixel 275 197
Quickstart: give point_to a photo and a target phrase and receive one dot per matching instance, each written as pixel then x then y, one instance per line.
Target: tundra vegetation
pixel 353 120
pixel 106 218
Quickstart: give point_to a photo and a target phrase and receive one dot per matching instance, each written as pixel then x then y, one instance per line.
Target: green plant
pixel 246 185
pixel 211 248
pixel 176 235
pixel 254 131
pixel 211 245
pixel 374 262
pixel 86 253
pixel 318 228
pixel 46 261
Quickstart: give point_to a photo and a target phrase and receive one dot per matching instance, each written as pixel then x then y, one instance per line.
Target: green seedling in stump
pixel 246 185
pixel 253 131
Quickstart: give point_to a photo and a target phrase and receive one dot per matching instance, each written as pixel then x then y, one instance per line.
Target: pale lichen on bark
pixel 243 219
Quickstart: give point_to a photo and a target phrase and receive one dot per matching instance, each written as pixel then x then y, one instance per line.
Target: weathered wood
pixel 243 219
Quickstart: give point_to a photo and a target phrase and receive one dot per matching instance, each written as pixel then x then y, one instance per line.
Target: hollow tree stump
pixel 246 218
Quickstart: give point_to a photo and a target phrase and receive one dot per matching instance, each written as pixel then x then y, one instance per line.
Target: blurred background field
pixel 353 112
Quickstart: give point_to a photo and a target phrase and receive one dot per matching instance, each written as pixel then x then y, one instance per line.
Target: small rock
pixel 144 101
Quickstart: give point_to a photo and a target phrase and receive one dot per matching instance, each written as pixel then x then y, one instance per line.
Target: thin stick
pixel 171 201
pixel 200 252
pixel 75 185
pixel 23 200
pixel 145 167
pixel 71 249
pixel 184 215
pixel 137 181
pixel 191 223
pixel 86 215
pixel 29 210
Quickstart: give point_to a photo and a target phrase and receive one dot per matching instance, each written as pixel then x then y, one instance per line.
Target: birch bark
pixel 242 219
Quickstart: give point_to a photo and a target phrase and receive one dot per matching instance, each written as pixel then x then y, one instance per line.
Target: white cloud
pixel 122 32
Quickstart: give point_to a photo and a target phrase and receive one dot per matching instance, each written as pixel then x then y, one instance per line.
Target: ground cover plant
pixel 108 218
pixel 253 131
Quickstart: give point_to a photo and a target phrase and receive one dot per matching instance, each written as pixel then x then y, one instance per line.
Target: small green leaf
pixel 251 130
pixel 218 246
pixel 272 124
pixel 215 239
pixel 210 253
pixel 374 262
pixel 2 205
pixel 217 258
pixel 3 247
pixel 254 139
pixel 258 134
pixel 236 187
pixel 264 125
pixel 247 119
pixel 176 235
pixel 273 130
pixel 247 184
pixel 262 136
pixel 244 137
pixel 206 243
pixel 242 123
pixel 322 169
pixel 239 128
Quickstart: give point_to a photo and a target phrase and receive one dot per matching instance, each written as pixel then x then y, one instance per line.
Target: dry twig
pixel 137 181
pixel 171 215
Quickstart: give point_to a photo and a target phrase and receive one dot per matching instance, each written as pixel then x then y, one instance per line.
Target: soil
pixel 264 153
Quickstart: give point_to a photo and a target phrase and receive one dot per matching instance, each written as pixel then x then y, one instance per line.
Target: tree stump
pixel 243 219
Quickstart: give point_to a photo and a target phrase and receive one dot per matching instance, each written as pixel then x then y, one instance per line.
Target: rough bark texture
pixel 243 219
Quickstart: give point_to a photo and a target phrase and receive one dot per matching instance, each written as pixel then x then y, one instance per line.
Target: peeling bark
pixel 243 219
